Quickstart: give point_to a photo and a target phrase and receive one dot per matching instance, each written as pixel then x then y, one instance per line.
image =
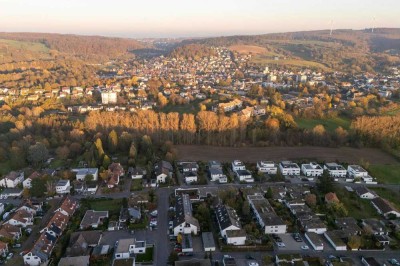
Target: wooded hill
pixel 14 46
pixel 348 50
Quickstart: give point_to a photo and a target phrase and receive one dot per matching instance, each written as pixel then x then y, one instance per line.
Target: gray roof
pixel 226 217
pixel 93 217
pixel 123 245
pixel 208 240
pixel 74 261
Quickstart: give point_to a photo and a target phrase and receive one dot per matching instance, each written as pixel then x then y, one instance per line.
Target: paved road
pixel 162 246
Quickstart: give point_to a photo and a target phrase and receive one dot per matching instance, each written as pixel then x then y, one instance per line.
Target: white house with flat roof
pixel 238 165
pixel 289 168
pixel 267 167
pixel 357 171
pixel 63 186
pixel 335 170
pixel 244 176
pixel 312 169
pixel 82 172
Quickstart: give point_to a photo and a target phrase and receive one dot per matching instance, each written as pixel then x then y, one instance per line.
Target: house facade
pixel 267 167
pixel 289 168
pixel 12 180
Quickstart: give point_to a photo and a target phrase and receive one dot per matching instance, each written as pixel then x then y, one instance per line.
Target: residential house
pixel 63 186
pixel 267 167
pixel 9 231
pixel 11 192
pixel 81 173
pixel 162 170
pixel 81 243
pixel 238 165
pixel 364 193
pixel 315 241
pixel 244 176
pixel 259 110
pixel 3 249
pixel 335 170
pixel 188 166
pixel 228 220
pixel 216 174
pixel 68 206
pixel 356 171
pixel 41 250
pixel 190 177
pixel 349 225
pixel 236 237
pixel 115 171
pixel 12 180
pixel 27 183
pixel 127 248
pixel 385 208
pixel 335 238
pixel 208 241
pixel 266 216
pixel 93 219
pixel 375 226
pixel 312 169
pixel 184 222
pixel 289 168
pixel 187 244
pixel 137 173
pixel 230 106
pixel 21 218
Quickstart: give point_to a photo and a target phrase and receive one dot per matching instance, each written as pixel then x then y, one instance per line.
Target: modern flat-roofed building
pixel 267 167
pixel 312 169
pixel 335 170
pixel 289 168
pixel 356 171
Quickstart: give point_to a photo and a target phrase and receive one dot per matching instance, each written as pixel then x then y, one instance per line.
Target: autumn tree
pixel 112 141
pixel 311 200
pixel 62 152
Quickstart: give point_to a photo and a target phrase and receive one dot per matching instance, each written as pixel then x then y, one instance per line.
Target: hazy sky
pixel 179 18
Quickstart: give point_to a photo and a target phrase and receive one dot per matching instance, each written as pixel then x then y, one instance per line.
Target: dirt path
pixel 253 154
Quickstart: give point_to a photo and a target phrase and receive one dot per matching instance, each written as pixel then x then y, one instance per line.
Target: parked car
pixel 281 244
pixel 394 262
pixel 305 247
pixel 17 245
pixel 9 256
pixel 154 213
pixel 297 237
pixel 171 224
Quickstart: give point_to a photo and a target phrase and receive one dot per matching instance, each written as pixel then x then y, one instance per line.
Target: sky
pixel 198 18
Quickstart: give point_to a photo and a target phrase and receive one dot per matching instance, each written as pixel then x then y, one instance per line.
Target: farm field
pixel 387 174
pixel 254 154
pixel 247 49
pixel 330 124
pixel 263 60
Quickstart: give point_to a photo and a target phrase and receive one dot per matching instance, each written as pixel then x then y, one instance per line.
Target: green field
pixel 390 195
pixel 330 124
pixel 263 60
pixel 387 174
pixel 105 205
pixel 27 46
pixel 191 108
pixel 356 207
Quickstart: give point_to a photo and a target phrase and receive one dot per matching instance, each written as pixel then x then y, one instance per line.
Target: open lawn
pixel 390 195
pixel 356 207
pixel 105 204
pixel 385 173
pixel 330 124
pixel 182 109
pixel 30 46
pixel 146 257
pixel 247 49
pixel 277 154
pixel 264 60
pixel 5 168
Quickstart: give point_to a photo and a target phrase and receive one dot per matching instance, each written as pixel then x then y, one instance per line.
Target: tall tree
pixel 112 141
pixel 38 154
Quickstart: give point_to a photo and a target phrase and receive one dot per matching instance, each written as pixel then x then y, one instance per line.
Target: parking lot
pixel 290 243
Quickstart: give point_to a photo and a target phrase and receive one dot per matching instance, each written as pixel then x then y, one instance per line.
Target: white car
pixel 9 256
pixel 305 247
pixel 281 245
